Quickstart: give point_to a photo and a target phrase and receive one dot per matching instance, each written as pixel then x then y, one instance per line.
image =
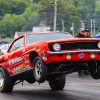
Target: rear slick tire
pixel 94 68
pixel 58 83
pixel 6 83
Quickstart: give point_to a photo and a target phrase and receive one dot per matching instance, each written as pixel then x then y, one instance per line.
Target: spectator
pixel 87 33
pixel 83 33
pixel 98 36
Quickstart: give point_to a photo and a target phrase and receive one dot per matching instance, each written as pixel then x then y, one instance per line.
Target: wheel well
pixel 32 56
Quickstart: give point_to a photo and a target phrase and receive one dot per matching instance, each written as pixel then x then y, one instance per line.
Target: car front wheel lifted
pixel 40 70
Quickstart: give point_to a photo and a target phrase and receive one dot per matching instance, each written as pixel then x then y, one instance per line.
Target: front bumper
pixel 73 52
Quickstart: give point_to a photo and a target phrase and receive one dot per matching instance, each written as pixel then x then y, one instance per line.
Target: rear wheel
pixel 6 83
pixel 94 67
pixel 40 70
pixel 58 83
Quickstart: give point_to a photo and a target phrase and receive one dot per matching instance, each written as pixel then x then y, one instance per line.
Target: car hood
pixel 74 40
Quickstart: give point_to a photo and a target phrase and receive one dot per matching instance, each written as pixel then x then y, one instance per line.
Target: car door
pixel 15 61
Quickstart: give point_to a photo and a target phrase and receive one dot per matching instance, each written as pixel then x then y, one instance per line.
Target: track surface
pixel 76 88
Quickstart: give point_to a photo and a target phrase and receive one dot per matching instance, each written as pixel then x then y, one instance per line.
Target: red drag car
pixel 48 56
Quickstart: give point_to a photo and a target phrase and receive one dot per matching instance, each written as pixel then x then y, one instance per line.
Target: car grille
pixel 76 45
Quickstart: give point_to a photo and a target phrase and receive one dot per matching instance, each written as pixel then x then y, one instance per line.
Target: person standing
pixel 98 36
pixel 83 33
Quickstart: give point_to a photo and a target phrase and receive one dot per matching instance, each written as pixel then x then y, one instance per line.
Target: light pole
pixel 55 13
pixel 63 25
pixel 73 28
pixel 94 25
pixel 91 27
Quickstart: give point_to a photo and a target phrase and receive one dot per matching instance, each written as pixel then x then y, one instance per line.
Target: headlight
pixel 56 47
pixel 99 45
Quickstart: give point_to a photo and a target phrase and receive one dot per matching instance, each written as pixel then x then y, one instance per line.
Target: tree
pixel 18 7
pixel 4 8
pixel 10 24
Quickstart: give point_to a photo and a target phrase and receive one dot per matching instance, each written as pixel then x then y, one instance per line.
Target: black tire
pixel 6 83
pixel 94 68
pixel 40 70
pixel 58 83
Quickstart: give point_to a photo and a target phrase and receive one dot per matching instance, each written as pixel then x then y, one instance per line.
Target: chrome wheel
pixel 1 79
pixel 38 69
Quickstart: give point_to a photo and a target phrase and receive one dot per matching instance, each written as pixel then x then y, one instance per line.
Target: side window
pixel 17 44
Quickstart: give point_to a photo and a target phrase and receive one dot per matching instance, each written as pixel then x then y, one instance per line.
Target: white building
pixel 40 29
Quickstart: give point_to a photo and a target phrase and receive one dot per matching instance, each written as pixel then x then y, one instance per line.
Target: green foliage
pixel 23 15
pixel 4 8
pixel 10 23
pixel 18 7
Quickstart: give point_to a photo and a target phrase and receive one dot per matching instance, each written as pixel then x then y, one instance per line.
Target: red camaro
pixel 48 56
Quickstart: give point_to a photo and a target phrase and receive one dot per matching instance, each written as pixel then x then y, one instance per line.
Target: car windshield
pixel 30 38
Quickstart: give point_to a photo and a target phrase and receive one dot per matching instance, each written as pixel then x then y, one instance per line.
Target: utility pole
pixel 73 28
pixel 55 14
pixel 63 25
pixel 94 25
pixel 91 27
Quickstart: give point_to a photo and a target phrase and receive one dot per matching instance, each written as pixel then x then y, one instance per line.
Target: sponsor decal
pixel 26 61
pixel 20 68
pixel 42 53
pixel 28 67
pixel 45 58
pixel 15 61
pixel 23 65
pixel 25 69
pixel 15 71
pixel 38 50
pixel 8 70
pixel 23 50
pixel 81 55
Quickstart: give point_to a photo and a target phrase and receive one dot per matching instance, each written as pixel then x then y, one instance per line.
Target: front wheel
pixel 6 83
pixel 58 83
pixel 94 68
pixel 40 70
